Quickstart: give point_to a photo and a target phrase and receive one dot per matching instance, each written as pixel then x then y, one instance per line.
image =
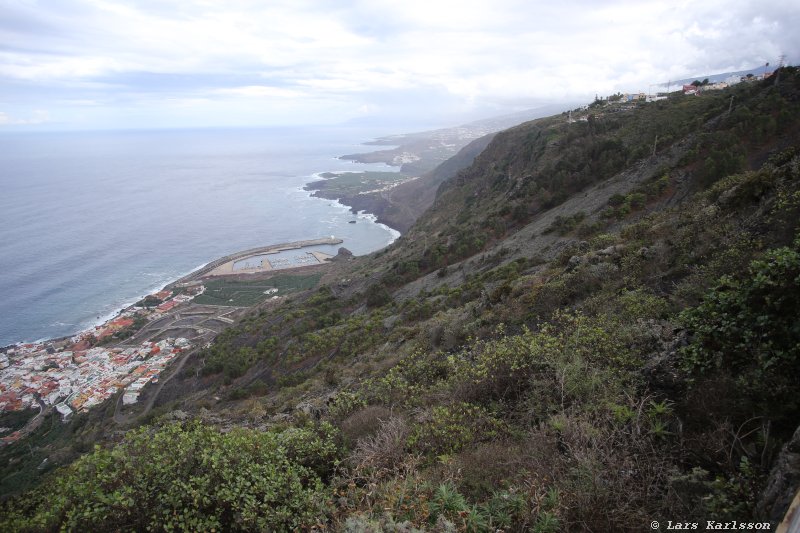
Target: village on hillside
pixel 622 101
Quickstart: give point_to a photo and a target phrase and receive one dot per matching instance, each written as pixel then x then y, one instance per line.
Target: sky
pixel 117 64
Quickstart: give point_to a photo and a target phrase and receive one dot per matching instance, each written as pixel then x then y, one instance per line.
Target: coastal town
pixel 74 374
pixel 126 353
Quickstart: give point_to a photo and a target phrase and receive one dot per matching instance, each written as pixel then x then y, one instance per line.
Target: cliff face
pixel 590 328
pixel 404 204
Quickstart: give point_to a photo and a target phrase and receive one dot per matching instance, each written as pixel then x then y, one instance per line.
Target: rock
pixel 343 255
pixel 390 321
pixel 783 482
pixel 661 369
pixel 614 249
pixel 645 252
pixel 574 262
pixel 727 196
pixel 309 409
pixel 177 416
pixel 281 418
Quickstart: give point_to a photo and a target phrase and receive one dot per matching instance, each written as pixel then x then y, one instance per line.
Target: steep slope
pixel 400 207
pixel 590 329
pixel 536 166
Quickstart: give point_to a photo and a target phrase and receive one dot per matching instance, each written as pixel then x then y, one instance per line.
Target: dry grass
pixel 383 452
pixel 364 422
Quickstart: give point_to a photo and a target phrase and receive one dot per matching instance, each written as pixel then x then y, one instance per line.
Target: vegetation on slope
pixel 636 367
pixel 189 477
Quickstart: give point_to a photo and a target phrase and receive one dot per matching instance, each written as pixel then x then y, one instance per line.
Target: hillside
pixel 421 152
pixel 593 326
pixel 400 206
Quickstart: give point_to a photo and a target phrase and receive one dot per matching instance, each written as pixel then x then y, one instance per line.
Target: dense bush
pixel 186 477
pixel 377 295
pixel 747 327
pixel 448 428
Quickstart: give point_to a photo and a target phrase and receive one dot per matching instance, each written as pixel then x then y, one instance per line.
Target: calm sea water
pixel 90 222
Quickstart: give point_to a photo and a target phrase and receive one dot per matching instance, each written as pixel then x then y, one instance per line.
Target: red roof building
pixel 122 322
pixel 166 306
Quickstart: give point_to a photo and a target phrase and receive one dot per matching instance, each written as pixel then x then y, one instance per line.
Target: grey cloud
pixel 332 61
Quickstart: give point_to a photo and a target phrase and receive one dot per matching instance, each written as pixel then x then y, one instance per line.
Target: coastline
pixel 87 326
pixel 369 206
pixel 365 212
pixel 196 273
pixel 110 301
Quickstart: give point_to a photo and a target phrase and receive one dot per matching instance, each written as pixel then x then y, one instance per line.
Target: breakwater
pixel 272 248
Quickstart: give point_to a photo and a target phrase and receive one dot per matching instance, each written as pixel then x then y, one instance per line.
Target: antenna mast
pixel 778 69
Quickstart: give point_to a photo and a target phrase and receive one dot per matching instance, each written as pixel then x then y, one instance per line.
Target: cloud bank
pixel 115 63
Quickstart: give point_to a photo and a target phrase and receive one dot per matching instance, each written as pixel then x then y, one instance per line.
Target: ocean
pixel 92 221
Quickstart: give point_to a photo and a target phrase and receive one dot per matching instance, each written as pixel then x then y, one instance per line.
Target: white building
pixel 733 80
pixel 64 410
pixel 130 397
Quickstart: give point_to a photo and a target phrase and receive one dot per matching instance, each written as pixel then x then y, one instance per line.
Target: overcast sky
pixel 129 64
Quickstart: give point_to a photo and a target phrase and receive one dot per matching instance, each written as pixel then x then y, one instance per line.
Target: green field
pixel 352 183
pixel 246 293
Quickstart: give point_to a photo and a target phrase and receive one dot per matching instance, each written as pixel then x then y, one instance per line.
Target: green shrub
pixel 747 327
pixel 378 295
pixel 186 477
pixel 345 403
pixel 448 428
pixel 563 225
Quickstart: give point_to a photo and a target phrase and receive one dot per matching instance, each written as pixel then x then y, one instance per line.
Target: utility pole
pixel 778 70
pixel 655 142
pixel 730 107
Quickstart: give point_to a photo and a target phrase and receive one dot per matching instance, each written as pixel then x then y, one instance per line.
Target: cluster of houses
pixel 72 380
pixel 167 303
pixel 75 374
pixel 628 100
pixel 698 88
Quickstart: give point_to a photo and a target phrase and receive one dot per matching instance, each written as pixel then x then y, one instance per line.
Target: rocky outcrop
pixel 343 255
pixel 783 483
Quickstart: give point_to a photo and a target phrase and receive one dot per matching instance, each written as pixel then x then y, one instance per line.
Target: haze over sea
pixel 92 221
